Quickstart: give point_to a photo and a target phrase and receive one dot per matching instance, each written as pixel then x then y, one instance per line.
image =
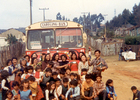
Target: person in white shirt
pixel 58 88
pixel 8 63
pixel 51 92
pixel 13 70
pixel 4 83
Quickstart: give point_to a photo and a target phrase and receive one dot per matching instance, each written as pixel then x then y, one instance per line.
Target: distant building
pixel 133 31
pixel 121 31
pixel 3 42
pixel 19 35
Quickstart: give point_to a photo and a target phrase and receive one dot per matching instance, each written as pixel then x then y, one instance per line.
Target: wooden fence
pixel 7 52
pixel 107 48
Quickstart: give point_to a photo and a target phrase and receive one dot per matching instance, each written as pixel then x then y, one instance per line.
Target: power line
pixel 43 12
pixel 30 12
pixel 84 14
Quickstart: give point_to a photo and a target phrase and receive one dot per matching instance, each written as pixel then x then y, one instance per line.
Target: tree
pixel 63 18
pixel 76 20
pixel 80 21
pixel 11 39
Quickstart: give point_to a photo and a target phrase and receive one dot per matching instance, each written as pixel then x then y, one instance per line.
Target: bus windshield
pixel 40 39
pixel 69 38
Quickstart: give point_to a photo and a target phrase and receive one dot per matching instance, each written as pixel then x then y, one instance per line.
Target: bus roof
pixel 53 24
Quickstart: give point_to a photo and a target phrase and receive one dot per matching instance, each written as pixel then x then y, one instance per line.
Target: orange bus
pixel 55 36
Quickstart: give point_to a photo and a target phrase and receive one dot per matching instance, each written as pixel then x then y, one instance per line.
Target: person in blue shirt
pixel 136 93
pixel 120 53
pixel 110 90
pixel 74 92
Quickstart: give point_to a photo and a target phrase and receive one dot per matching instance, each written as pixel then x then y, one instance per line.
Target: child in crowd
pixel 110 90
pixel 15 91
pixel 4 84
pixel 64 88
pixel 51 92
pixel 38 74
pixel 72 76
pixel 54 77
pixel 9 95
pixel 58 88
pixel 87 88
pixel 30 72
pixel 61 75
pixel 25 93
pixel 136 93
pixel 84 73
pixel 68 71
pixel 74 92
pixel 45 79
pixel 49 65
pixel 23 76
pixel 99 89
pixel 35 88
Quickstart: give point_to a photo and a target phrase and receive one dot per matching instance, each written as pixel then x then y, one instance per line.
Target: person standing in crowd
pixel 89 53
pixel 83 64
pixel 27 57
pixel 70 53
pixel 120 54
pixel 87 88
pixel 98 63
pixel 34 62
pixel 8 63
pixel 136 93
pixel 110 90
pixel 125 49
pixel 4 84
pixel 99 89
pixel 130 49
pixel 23 64
pixel 80 55
pixel 13 69
pixel 55 59
pixel 43 56
pixel 47 59
pixel 64 63
pixel 138 56
pixel 73 63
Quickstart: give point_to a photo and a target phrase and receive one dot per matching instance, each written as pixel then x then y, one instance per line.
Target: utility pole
pixel 105 26
pixel 30 12
pixel 84 14
pixel 43 12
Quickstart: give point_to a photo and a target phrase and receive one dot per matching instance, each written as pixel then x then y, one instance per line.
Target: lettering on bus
pixel 54 24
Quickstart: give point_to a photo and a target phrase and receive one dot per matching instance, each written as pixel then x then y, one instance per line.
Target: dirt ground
pixel 124 74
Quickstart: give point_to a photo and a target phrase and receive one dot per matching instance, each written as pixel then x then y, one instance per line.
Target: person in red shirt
pixel 73 63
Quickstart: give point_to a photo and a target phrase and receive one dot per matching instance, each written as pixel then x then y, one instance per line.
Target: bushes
pixel 135 40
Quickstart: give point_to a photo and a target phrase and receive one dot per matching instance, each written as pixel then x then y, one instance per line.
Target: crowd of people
pixel 58 77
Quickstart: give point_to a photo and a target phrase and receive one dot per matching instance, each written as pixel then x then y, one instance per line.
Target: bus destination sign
pixel 53 24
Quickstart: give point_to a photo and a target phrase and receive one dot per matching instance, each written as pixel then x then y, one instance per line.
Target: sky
pixel 16 13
